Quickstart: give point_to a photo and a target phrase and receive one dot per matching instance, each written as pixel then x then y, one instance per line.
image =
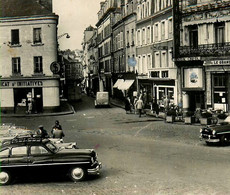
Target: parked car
pixel 102 99
pixel 31 155
pixel 216 133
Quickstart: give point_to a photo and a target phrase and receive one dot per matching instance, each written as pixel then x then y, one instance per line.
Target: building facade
pixel 203 54
pixel 157 74
pixel 28 48
pixel 104 44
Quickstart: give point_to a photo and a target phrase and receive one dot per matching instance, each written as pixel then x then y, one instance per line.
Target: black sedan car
pixel 216 133
pixel 35 155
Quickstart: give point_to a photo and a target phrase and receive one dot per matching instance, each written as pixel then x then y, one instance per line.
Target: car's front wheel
pixel 77 174
pixel 5 178
pixel 223 140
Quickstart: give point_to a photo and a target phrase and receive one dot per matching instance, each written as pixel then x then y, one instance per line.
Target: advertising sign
pixel 193 78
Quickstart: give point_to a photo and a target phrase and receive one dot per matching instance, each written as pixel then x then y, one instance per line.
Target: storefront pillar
pixel 208 90
pixel 185 98
pixel 228 88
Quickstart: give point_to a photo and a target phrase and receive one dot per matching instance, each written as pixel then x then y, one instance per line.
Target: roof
pixel 14 8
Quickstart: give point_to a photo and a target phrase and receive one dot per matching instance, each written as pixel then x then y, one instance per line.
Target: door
pixel 38 101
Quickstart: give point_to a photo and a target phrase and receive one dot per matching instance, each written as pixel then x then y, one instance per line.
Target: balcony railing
pixel 205 50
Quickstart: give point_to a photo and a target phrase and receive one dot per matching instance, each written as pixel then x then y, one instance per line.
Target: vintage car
pixel 102 99
pixel 216 133
pixel 31 155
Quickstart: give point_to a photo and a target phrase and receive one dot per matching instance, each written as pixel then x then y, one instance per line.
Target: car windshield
pixel 227 119
pixel 52 147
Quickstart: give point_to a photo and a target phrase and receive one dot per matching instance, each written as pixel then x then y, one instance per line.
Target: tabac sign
pixel 21 84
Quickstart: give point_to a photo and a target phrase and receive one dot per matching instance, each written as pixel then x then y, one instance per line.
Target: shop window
pixel 219 81
pixel 37 35
pixel 38 67
pixel 16 66
pixel 15 37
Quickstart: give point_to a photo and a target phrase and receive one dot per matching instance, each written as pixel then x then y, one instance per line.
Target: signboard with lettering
pixel 217 62
pixel 21 84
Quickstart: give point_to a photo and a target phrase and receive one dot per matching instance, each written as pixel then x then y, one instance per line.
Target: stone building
pixel 28 30
pixel 105 43
pixel 203 56
pixel 157 74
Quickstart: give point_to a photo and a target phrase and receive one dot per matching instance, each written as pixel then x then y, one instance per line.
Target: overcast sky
pixel 74 17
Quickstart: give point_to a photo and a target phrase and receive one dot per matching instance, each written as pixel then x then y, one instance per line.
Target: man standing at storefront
pixel 139 105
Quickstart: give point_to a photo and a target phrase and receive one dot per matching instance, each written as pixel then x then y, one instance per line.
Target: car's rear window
pixel 22 150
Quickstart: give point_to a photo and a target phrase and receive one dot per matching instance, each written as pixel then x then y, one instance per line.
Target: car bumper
pixel 209 139
pixel 96 170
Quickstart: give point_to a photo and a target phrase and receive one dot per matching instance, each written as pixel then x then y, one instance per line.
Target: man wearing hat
pixel 42 132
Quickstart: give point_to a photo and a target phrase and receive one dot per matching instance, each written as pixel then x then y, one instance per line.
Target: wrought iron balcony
pixel 205 50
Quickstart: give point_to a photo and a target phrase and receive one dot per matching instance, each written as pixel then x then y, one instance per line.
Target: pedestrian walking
pixel 41 132
pixel 156 108
pixel 134 104
pixel 57 131
pixel 127 105
pixel 139 106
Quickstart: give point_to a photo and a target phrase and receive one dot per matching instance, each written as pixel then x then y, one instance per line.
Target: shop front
pixel 193 89
pixel 29 96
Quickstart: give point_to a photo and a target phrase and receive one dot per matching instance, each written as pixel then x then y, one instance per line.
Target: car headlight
pixel 201 130
pixel 213 132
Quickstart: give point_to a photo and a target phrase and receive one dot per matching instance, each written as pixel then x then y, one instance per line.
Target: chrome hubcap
pixel 4 177
pixel 77 173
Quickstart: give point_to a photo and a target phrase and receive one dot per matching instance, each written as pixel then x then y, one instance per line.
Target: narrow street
pixel 139 155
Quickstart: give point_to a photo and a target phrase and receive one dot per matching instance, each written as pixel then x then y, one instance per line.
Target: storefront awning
pixel 123 84
pixel 126 84
pixel 118 83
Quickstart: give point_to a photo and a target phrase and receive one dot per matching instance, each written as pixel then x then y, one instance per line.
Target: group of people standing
pixel 137 105
pixel 56 131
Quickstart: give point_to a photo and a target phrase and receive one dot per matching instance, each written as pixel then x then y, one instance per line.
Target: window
pixel 219 80
pixel 4 153
pixel 156 32
pixel 127 38
pixel 16 66
pixel 15 37
pixel 193 35
pixel 19 150
pixel 219 32
pixel 164 59
pixel 138 37
pixel 38 150
pixel 132 37
pixel 143 36
pixel 148 36
pixel 38 64
pixel 162 30
pixel 164 74
pixel 37 35
pixel 149 60
pixel 170 27
pixel 155 73
pixel 157 59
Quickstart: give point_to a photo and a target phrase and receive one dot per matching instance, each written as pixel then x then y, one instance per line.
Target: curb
pixel 71 111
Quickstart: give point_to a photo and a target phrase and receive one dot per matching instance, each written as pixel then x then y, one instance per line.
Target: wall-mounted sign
pixel 193 78
pixel 21 84
pixel 55 67
pixel 217 62
pixel 132 62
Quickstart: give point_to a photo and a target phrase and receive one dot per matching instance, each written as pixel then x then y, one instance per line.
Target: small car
pixel 102 99
pixel 32 155
pixel 216 133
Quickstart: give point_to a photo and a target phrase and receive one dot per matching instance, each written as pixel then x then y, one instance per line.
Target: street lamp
pixel 67 36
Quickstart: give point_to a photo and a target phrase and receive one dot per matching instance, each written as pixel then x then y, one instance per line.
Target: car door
pixel 4 157
pixel 40 159
pixel 18 159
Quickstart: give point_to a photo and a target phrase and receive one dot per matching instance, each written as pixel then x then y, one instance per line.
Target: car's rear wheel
pixel 77 174
pixel 223 140
pixel 5 178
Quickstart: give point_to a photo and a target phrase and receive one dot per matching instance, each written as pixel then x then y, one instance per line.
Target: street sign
pixel 55 67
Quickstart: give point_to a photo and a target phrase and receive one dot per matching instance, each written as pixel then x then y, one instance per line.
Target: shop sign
pixel 193 78
pixel 21 83
pixel 188 59
pixel 217 62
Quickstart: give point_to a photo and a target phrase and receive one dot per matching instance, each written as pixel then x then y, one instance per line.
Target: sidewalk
pixel 64 109
pixel 121 104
